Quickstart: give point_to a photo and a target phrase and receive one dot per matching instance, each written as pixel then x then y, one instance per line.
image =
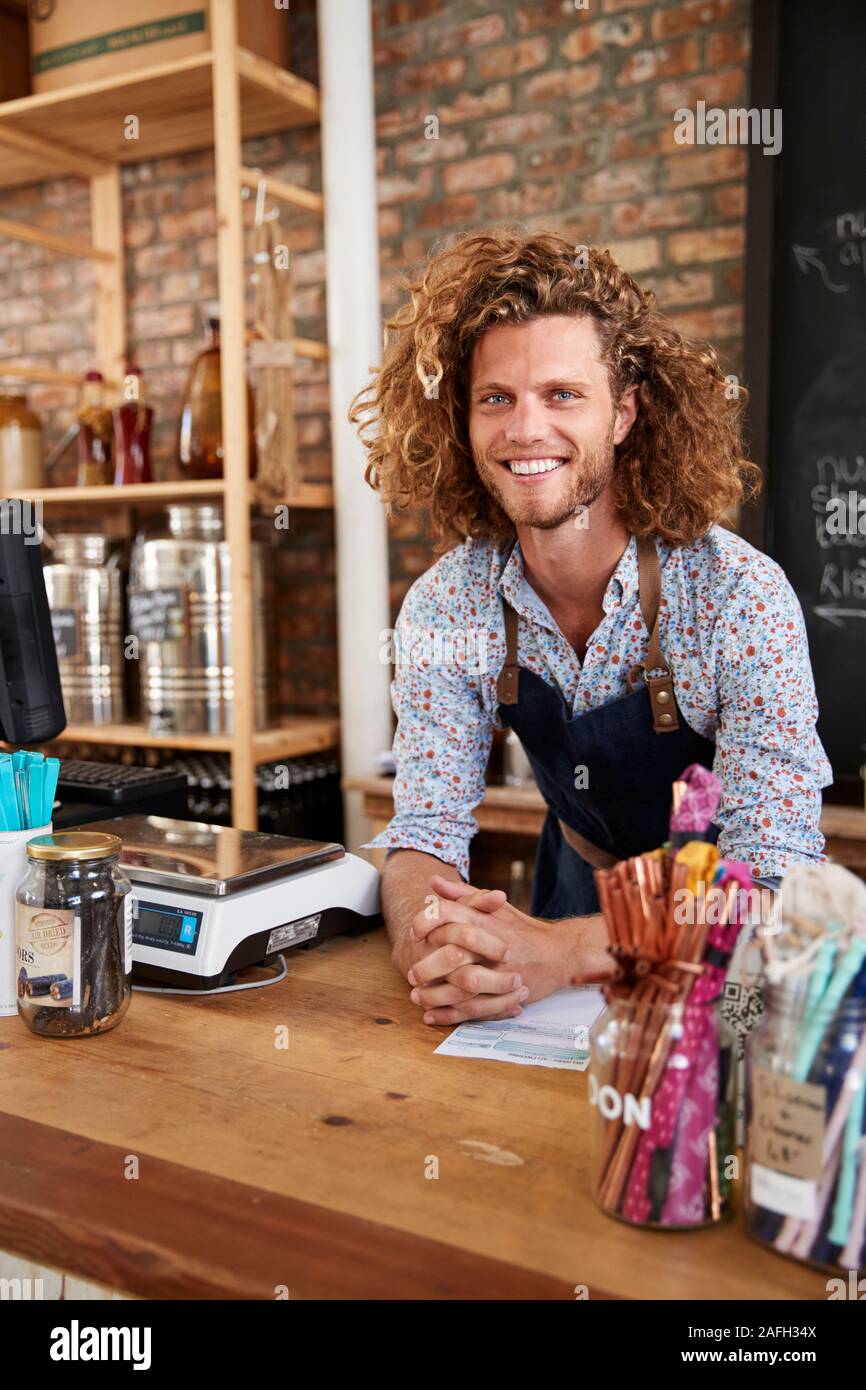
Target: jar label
pixel 781 1193
pixel 48 956
pixel 159 615
pixel 787 1124
pixel 127 933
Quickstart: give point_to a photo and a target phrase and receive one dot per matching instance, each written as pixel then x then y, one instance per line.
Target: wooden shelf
pixel 521 811
pixel 122 496
pixel 309 495
pixel 173 102
pixel 292 738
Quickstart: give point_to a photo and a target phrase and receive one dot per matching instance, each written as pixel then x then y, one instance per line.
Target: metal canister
pixel 84 582
pixel 181 613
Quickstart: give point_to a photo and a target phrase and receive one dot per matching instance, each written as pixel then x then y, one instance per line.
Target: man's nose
pixel 527 423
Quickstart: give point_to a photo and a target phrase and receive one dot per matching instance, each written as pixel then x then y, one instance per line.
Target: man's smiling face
pixel 542 422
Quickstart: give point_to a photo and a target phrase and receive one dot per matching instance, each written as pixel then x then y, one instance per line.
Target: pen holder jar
pixel 13 866
pixel 805 1119
pixel 661 1084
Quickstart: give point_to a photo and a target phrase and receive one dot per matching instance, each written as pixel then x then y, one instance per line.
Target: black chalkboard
pixel 816 403
pixel 65 624
pixel 157 615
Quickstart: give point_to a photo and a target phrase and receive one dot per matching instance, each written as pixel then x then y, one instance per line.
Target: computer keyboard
pixel 115 783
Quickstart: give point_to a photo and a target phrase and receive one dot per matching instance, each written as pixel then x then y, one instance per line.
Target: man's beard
pixel 586 475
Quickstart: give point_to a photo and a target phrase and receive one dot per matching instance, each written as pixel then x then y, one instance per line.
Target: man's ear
pixel 626 414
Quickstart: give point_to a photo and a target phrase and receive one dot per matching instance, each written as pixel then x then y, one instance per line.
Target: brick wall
pixel 548 115
pixel 562 119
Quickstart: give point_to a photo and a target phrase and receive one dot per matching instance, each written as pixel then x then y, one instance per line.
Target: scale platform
pixel 209 900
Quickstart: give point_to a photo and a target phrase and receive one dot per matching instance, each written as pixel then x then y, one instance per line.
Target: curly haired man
pixel 577 459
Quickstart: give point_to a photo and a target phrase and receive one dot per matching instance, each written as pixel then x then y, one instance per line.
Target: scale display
pixel 166 928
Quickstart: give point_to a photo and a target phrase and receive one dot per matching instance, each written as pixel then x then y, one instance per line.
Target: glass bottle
pixel 73 919
pixel 94 434
pixel 132 420
pixel 21 460
pixel 200 435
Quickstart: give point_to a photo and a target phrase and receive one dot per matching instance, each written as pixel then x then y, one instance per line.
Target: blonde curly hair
pixel 678 470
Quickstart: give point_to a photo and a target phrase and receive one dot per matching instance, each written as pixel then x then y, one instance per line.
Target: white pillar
pixel 355 343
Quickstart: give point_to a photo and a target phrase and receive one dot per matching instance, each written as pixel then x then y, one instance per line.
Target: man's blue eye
pixel 564 392
pixel 495 397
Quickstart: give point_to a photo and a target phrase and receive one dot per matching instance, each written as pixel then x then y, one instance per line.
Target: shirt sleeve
pixel 443 737
pixel 769 758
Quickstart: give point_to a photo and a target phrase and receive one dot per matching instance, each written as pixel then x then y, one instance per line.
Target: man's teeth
pixel 534 465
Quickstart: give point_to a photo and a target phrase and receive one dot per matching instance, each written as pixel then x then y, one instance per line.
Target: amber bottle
pixel 200 437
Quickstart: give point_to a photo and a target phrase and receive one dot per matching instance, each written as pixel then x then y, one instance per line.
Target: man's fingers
pixel 478 978
pixel 463 983
pixel 434 995
pixel 484 899
pixel 475 939
pixel 427 921
pixel 482 1006
pixel 438 964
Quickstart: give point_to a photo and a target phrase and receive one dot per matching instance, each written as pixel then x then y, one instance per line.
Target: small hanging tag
pixel 278 353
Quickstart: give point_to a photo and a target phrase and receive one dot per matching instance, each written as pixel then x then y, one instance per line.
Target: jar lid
pixel 70 845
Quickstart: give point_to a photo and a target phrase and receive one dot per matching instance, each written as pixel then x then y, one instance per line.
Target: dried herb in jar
pixel 74 935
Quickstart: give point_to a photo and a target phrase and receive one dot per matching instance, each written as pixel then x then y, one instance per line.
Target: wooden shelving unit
pixel 289 739
pixel 308 495
pixel 174 103
pixel 216 98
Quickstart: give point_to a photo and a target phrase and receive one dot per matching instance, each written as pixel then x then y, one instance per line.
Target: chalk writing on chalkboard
pixel 158 615
pixel 65 624
pixel 846 252
pixel 816 421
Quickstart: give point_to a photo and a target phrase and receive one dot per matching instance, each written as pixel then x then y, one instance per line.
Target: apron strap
pixel 656 672
pixel 509 676
pixel 593 855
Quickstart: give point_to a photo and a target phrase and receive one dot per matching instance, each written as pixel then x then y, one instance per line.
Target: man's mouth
pixel 523 467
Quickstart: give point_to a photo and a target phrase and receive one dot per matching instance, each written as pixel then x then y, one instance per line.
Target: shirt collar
pixel 512 584
pixel 624 580
pixel 515 589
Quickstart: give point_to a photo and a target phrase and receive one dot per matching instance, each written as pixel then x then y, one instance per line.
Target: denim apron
pixel 606 774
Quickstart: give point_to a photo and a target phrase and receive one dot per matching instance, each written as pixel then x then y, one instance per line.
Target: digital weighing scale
pixel 209 900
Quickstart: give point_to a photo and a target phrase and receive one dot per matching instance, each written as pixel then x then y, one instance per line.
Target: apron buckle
pixel 660 687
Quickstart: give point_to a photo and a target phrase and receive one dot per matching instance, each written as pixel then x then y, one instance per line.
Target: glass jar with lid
pixel 73 935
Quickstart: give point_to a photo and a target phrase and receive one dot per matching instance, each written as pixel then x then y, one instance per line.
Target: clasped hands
pixel 472 955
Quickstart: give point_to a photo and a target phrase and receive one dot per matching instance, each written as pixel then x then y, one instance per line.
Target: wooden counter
pixel 305 1168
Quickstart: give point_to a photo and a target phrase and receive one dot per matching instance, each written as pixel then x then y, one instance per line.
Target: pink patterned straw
pixel 699 803
pixel 685 1204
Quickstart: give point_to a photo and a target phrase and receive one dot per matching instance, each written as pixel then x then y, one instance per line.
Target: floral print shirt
pixel 732 630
